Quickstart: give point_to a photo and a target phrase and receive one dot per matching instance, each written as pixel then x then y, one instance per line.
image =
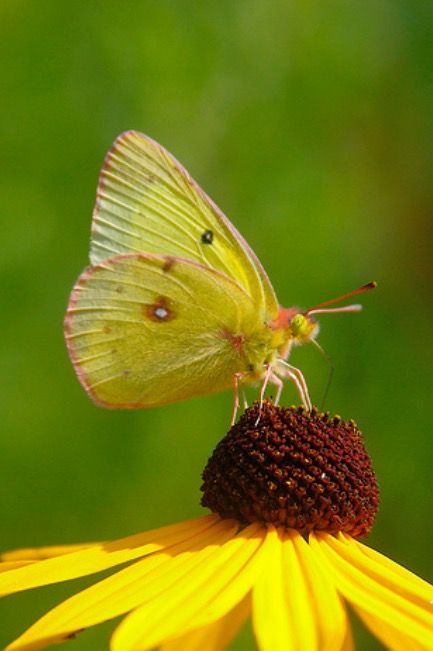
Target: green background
pixel 310 124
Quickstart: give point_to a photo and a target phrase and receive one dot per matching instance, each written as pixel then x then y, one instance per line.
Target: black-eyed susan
pixel 290 495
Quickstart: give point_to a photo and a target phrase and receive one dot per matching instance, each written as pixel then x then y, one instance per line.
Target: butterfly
pixel 175 303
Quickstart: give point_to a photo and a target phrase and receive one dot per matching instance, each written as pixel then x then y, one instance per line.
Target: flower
pixel 291 491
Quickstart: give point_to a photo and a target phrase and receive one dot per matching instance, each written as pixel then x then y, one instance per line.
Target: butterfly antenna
pixel 322 308
pixel 330 374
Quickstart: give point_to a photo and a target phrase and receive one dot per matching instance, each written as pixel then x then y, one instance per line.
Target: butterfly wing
pixel 148 202
pixel 144 330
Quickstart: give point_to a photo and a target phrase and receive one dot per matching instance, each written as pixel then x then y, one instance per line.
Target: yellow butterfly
pixel 175 304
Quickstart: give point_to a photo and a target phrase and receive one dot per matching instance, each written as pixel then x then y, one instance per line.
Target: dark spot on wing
pixel 207 237
pixel 159 311
pixel 119 289
pixel 169 263
pixel 107 329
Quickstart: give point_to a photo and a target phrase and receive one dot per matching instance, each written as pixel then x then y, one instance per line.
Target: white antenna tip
pixel 336 310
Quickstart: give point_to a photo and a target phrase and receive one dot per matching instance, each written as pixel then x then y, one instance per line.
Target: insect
pixel 175 303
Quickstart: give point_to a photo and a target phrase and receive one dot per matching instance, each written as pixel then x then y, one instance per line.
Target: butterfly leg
pixel 266 379
pixel 304 393
pixel 294 374
pixel 278 382
pixel 236 378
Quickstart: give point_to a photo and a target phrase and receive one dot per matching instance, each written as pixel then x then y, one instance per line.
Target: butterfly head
pixel 303 328
pixel 298 327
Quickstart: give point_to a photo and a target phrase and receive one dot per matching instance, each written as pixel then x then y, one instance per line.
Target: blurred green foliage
pixel 310 124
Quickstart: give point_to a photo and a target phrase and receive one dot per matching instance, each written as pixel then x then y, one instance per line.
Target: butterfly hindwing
pixel 147 329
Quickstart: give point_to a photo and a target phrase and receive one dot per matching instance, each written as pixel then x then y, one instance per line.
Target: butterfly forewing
pixel 144 330
pixel 147 202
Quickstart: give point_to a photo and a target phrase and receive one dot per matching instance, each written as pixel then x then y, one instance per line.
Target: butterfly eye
pixel 207 237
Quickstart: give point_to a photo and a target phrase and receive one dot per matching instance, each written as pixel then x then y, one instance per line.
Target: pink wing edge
pixel 131 133
pixel 67 323
pixel 67 331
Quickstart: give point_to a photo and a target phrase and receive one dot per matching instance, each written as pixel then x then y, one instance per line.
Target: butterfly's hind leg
pixel 276 381
pixel 236 378
pixel 284 369
pixel 266 379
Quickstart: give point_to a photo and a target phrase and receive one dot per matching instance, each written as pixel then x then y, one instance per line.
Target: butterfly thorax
pixel 262 348
pixel 274 341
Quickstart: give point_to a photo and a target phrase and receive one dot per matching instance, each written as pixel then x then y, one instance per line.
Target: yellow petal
pixel 234 590
pixel 329 619
pixel 348 644
pixel 391 638
pixel 270 611
pixel 385 562
pixel 295 606
pixel 183 607
pixel 99 557
pixel 122 591
pixel 13 565
pixel 402 603
pixel 39 553
pixel 215 636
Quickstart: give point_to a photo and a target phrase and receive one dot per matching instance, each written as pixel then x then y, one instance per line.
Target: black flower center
pixel 294 468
